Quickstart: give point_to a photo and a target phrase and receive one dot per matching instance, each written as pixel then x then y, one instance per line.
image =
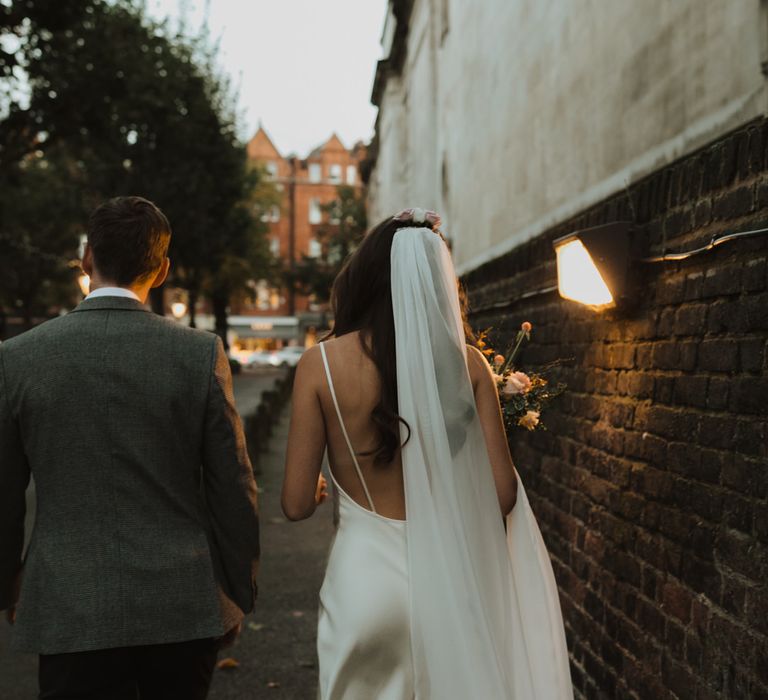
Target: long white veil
pixel 486 620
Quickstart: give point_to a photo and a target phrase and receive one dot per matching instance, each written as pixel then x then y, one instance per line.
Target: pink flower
pixel 526 327
pixel 498 361
pixel 530 420
pixel 516 383
pixel 419 216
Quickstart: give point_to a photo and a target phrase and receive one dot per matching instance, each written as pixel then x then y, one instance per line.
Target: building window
pixel 271 169
pixel 315 248
pixel 351 174
pixel 315 172
pixel 334 174
pixel 315 212
pixel 271 215
pixel 262 294
pixel 274 247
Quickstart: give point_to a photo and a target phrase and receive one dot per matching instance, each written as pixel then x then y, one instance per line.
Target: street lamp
pixel 178 309
pixel 84 282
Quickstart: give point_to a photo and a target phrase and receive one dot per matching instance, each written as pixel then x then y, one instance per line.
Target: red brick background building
pixel 305 185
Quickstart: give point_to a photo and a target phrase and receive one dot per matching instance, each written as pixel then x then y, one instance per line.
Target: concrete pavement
pixel 276 650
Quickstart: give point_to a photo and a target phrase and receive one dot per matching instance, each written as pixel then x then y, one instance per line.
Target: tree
pixel 38 237
pixel 339 236
pixel 40 203
pixel 135 108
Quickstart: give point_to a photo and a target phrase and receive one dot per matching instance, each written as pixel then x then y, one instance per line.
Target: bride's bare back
pixel 314 425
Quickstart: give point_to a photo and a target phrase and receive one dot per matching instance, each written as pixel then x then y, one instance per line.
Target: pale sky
pixel 304 67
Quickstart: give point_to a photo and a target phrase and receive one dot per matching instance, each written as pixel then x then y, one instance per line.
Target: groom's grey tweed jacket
pixel 146 527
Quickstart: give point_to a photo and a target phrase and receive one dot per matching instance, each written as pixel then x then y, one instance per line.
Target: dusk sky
pixel 304 68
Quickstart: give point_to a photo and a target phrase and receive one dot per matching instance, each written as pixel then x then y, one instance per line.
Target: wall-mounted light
pixel 593 265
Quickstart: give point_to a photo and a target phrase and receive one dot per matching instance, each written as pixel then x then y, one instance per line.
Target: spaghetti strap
pixel 344 427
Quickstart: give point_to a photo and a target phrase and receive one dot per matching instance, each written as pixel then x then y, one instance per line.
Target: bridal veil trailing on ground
pixel 485 616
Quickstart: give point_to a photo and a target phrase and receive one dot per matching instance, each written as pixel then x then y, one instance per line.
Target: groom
pixel 144 553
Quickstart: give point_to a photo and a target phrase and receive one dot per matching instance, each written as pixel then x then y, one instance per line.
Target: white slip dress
pixel 363 636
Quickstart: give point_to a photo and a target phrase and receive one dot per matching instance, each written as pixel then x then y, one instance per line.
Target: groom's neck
pixel 140 290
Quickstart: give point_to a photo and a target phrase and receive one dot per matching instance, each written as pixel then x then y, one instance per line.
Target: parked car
pixel 259 358
pixel 287 357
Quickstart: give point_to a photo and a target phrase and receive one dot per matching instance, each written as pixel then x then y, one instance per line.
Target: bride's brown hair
pixel 361 300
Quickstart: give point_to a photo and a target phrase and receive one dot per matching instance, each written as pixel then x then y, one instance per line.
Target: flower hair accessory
pixel 419 216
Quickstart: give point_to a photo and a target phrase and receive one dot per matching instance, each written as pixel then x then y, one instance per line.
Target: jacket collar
pixel 110 303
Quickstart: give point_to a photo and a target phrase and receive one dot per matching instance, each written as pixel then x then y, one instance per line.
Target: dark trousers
pixel 180 671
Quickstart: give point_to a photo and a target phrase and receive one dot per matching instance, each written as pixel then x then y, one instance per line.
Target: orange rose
pixel 530 420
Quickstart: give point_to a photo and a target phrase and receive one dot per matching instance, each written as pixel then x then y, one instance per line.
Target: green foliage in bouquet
pixel 523 397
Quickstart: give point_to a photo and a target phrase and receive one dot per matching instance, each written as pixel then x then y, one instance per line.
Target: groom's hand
pixel 230 637
pixel 10 613
pixel 321 494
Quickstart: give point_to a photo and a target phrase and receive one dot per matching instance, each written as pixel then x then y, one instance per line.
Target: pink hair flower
pixel 419 216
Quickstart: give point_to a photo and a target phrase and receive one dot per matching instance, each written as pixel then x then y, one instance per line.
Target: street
pixel 276 652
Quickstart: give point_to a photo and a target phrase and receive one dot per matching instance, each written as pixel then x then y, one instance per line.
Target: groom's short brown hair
pixel 129 237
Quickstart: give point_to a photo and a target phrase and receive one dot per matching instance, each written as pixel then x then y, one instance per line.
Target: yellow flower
pixel 530 420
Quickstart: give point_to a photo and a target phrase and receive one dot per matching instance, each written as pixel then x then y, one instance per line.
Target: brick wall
pixel 650 484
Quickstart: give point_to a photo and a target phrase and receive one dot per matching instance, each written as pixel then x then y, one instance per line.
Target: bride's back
pixel 357 383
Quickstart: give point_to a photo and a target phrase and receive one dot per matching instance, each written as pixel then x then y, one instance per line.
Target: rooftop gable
pixel 260 147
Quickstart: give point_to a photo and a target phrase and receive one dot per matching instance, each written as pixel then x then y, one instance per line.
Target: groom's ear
pixel 87 262
pixel 162 273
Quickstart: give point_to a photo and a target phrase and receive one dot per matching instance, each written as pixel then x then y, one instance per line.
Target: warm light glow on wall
pixel 578 278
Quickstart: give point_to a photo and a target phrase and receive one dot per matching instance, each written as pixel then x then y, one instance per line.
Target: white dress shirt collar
pixel 113 292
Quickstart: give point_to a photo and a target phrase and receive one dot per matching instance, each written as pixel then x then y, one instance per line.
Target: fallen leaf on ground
pixel 297 613
pixel 228 662
pixel 255 626
pixel 273 684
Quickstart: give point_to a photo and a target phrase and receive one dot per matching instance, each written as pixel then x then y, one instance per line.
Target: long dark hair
pixel 361 300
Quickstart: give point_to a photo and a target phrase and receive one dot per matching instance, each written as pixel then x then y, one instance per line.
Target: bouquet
pixel 522 396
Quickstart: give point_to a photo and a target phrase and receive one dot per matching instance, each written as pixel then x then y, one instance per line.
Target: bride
pixel 426 596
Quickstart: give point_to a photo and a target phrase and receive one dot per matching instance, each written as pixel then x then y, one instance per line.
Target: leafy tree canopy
pixel 128 106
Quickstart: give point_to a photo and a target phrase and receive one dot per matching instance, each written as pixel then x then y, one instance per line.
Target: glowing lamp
pixel 593 264
pixel 178 309
pixel 84 282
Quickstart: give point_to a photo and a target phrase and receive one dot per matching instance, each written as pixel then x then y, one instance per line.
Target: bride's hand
pixel 322 490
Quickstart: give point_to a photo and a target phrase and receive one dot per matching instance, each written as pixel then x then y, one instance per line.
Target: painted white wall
pixel 536 109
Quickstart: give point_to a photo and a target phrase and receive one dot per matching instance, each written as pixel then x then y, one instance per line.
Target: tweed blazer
pixel 146 527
